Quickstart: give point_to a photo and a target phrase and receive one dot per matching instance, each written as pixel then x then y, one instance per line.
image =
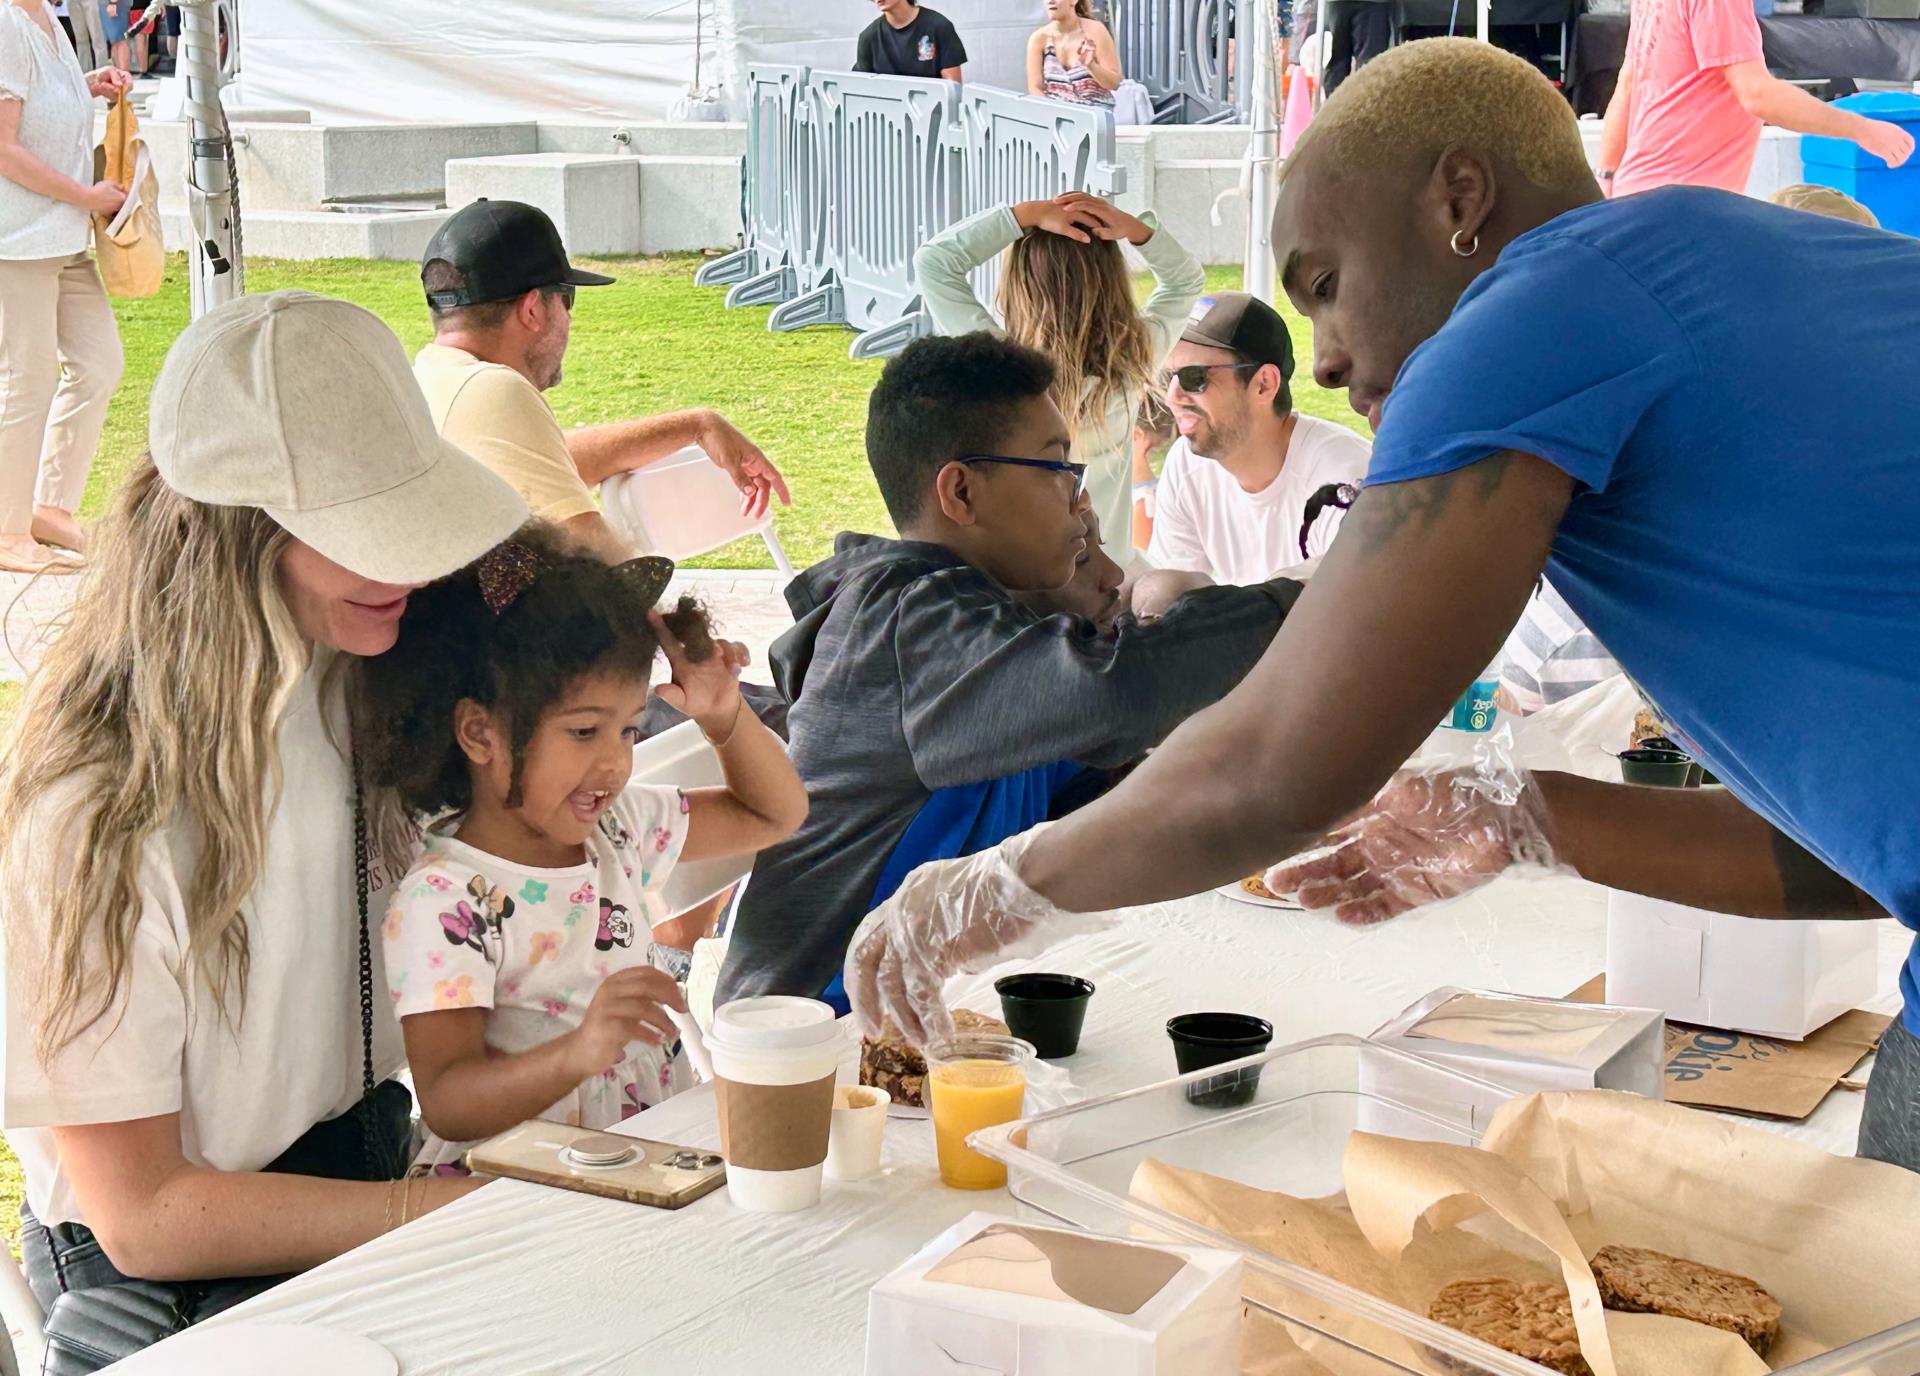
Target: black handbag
pixel 102 1324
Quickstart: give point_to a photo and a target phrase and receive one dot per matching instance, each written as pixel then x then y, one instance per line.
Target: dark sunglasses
pixel 1339 496
pixel 563 290
pixel 1078 471
pixel 1193 378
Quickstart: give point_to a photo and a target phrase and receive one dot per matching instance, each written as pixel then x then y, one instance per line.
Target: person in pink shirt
pixel 1693 93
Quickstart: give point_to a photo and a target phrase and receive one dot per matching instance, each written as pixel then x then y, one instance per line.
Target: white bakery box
pixel 1526 1044
pixel 993 1296
pixel 1769 978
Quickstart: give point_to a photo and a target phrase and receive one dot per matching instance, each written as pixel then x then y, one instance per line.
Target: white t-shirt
pixel 244 1093
pixel 1205 522
pixel 467 929
pixel 56 126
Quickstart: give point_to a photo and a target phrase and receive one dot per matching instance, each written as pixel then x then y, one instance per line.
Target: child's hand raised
pixel 709 692
pixel 630 1006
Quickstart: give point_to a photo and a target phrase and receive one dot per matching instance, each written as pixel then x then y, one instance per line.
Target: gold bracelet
pixel 406 1200
pixel 389 1225
pixel 740 705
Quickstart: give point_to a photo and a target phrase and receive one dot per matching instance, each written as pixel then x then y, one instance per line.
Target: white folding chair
pixel 682 507
pixel 681 757
pixel 26 1346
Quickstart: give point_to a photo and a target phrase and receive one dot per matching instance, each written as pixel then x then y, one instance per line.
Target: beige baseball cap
pixel 306 407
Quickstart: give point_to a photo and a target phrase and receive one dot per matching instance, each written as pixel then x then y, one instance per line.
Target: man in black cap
pixel 501 293
pixel 1238 486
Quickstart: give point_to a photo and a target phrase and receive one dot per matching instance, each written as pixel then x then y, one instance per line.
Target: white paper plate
pixel 1240 895
pixel 909 1111
pixel 248 1349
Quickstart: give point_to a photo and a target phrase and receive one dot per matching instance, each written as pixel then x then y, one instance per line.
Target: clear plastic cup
pixel 974 1080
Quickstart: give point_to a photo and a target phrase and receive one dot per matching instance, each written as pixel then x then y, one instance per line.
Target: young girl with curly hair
pixel 518 948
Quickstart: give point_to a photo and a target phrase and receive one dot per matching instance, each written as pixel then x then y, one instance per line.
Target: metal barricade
pixel 1182 51
pixel 847 174
pixel 888 172
pixel 1027 148
pixel 776 169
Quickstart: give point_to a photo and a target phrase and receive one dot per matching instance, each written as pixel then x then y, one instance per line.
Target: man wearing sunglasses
pixel 501 292
pixel 1236 486
pixel 935 712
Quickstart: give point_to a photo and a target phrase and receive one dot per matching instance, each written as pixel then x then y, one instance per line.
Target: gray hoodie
pixel 909 670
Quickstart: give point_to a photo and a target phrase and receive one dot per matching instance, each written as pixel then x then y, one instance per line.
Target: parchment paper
pixel 1560 1176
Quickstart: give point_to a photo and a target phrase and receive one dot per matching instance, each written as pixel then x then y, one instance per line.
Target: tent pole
pixel 1257 278
pixel 216 271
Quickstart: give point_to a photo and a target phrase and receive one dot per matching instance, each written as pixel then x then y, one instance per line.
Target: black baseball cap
pixel 504 249
pixel 1243 324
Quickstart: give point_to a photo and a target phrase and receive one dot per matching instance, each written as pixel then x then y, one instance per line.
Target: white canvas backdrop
pixel 412 61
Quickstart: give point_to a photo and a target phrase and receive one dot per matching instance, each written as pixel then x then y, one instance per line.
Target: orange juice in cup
pixel 974 1081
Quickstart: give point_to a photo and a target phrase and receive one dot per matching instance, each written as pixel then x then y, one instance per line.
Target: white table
pixel 519 1280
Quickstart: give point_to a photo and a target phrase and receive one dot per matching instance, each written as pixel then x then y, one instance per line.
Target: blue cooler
pixel 1892 193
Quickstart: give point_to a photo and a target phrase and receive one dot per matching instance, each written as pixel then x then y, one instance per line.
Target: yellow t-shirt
pixel 500 418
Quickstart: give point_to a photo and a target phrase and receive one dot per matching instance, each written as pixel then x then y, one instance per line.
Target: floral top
pixel 469 930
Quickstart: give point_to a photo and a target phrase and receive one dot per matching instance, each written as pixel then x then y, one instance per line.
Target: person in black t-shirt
pixel 910 40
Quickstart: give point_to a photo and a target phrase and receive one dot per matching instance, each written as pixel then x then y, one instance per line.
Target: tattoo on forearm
pixel 1382 512
pixel 1810 888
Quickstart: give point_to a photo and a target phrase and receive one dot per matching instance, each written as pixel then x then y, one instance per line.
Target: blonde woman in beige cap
pixel 194 1069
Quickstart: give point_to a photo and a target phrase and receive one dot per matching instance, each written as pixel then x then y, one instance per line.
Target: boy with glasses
pixel 934 713
pixel 1234 492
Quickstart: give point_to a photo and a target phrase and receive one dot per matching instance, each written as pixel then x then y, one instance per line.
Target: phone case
pixel 537 1151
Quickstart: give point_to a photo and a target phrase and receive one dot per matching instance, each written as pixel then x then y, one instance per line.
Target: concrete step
pixel 398 235
pixel 694 139
pixel 286 165
pixel 1187 142
pixel 689 203
pixel 1182 194
pixel 594 198
pixel 614 204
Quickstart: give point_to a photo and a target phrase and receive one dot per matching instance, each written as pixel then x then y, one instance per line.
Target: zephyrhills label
pixel 1475 710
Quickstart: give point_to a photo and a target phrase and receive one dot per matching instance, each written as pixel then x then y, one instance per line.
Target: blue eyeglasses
pixel 1077 471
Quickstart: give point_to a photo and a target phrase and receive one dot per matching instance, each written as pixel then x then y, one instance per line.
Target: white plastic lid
pixel 773 1022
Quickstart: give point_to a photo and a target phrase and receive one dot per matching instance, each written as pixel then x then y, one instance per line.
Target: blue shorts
pixel 115 25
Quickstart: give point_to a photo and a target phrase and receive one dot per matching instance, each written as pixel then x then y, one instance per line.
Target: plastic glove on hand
pixel 948 918
pixel 1428 836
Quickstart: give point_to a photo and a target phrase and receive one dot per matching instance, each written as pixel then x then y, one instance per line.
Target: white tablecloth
pixel 519 1280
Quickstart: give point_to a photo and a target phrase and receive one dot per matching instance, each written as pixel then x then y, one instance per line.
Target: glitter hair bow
pixel 507 570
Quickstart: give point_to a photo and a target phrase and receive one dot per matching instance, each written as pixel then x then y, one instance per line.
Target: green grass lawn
pixel 651 342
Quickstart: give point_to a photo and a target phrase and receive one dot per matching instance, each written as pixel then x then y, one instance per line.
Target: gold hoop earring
pixel 1467 252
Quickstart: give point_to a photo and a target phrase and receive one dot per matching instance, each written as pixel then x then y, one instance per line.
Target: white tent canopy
pixel 378 62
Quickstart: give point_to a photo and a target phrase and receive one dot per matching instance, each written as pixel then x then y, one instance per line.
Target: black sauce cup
pixel 1206 1039
pixel 1655 768
pixel 1047 1010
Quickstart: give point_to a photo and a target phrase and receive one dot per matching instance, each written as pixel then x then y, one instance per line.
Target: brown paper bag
pixel 1711 1068
pixel 1562 1175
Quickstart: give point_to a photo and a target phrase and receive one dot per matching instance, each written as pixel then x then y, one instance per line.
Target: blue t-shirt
pixel 1735 389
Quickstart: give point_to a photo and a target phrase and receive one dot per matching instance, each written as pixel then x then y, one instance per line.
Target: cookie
pixel 1634 1280
pixel 1257 886
pixel 888 1063
pixel 1527 1318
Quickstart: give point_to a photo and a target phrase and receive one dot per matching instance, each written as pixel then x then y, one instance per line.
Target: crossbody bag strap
pixel 362 879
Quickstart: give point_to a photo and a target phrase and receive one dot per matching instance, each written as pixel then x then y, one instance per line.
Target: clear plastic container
pixel 1075 1165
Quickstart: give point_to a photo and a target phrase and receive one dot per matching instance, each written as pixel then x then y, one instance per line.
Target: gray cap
pixel 1244 324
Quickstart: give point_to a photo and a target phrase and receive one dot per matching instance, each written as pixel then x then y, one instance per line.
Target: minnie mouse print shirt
pixel 531 946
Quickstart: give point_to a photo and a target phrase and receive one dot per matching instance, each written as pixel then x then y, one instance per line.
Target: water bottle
pixel 1475 711
pixel 1467 725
